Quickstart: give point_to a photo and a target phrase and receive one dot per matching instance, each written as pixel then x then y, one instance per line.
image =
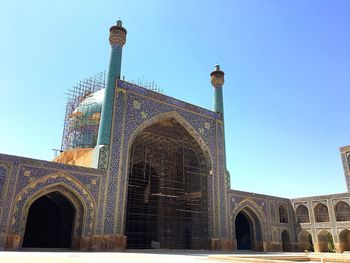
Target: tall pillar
pixel 217 81
pixel 117 39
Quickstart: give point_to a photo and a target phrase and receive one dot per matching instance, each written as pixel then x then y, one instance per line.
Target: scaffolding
pixel 167 191
pixel 82 115
pixel 147 84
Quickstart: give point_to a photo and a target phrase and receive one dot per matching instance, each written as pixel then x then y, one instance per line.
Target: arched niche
pixel 342 211
pixel 283 215
pixel 321 213
pixel 302 214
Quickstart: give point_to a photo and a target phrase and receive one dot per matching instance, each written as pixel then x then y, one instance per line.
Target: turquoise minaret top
pixel 217 80
pixel 117 39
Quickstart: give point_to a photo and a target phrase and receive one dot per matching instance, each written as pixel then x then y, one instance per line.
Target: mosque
pixel 139 169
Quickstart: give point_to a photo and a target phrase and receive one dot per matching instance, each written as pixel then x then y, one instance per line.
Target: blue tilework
pixel 38 169
pixel 3 174
pixel 110 208
pixel 222 182
pixel 19 206
pixel 7 204
pixel 148 105
pixel 167 99
pixel 38 172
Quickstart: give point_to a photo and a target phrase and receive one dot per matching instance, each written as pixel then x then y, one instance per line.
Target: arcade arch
pixel 247 224
pixel 344 240
pixel 305 240
pixel 325 241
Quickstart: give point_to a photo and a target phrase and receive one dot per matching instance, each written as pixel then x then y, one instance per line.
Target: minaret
pixel 117 39
pixel 217 80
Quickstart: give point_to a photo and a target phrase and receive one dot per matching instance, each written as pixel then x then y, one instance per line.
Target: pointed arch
pixel 253 206
pixel 50 221
pixel 167 173
pixel 344 240
pixel 321 213
pixel 283 215
pixel 325 241
pixel 181 120
pixel 305 240
pixel 256 219
pixel 342 211
pixel 70 188
pixel 302 213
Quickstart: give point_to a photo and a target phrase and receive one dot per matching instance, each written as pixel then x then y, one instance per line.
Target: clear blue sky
pixel 287 66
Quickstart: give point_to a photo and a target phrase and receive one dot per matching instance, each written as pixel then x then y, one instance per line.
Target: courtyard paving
pixel 102 257
pixel 154 256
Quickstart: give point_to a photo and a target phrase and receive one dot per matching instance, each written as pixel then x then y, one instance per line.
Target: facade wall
pixel 136 108
pixel 333 226
pixel 99 196
pixel 24 180
pixel 267 210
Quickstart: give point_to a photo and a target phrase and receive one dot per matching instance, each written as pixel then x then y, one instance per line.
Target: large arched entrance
pixel 167 191
pixel 247 229
pixel 50 222
pixel 244 231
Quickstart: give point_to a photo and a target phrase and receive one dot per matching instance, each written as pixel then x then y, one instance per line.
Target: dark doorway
pixel 49 223
pixel 243 232
pixel 167 189
pixel 286 244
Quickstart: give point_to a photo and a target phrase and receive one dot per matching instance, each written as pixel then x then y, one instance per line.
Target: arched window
pixel 342 211
pixel 321 213
pixel 283 214
pixel 302 214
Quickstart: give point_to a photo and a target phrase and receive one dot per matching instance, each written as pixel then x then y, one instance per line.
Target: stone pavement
pixel 101 257
pixel 164 256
